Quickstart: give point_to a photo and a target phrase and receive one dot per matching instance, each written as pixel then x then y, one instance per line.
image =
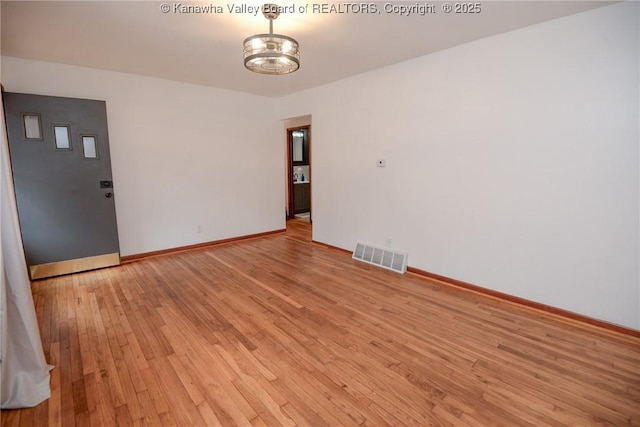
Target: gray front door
pixel 62 174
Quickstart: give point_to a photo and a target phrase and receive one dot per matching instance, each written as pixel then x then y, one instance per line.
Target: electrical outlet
pixel 199 228
pixel 381 163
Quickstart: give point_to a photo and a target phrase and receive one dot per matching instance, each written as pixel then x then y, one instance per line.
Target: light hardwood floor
pixel 280 331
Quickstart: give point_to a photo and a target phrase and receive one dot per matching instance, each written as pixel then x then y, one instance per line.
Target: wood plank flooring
pixel 279 331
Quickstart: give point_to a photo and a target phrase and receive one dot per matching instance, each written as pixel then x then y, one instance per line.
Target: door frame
pixel 291 208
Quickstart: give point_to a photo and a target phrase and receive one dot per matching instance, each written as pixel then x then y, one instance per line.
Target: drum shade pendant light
pixel 271 53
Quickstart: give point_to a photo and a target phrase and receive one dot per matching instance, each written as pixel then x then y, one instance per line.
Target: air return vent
pixel 382 257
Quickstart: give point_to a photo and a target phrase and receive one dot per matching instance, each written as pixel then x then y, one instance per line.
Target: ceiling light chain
pixel 271 53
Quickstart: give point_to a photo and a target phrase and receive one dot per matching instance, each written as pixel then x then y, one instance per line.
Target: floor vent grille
pixel 382 257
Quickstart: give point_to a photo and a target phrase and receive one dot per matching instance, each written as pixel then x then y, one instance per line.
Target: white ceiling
pixel 206 48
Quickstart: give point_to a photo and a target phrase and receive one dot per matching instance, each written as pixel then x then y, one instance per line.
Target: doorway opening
pixel 299 173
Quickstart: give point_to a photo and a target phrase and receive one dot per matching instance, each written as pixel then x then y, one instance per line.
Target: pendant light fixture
pixel 271 53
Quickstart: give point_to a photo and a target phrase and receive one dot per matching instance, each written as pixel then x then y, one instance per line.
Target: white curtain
pixel 24 373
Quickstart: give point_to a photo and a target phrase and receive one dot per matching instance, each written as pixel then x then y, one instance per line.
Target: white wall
pixel 182 155
pixel 512 162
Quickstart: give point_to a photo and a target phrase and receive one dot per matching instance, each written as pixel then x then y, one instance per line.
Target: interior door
pixel 59 150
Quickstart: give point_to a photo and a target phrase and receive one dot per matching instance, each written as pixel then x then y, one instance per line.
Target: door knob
pixel 108 195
